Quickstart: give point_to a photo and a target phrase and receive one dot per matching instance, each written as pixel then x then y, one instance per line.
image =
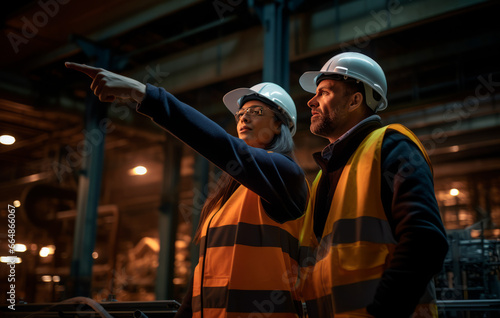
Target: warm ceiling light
pixel 10 259
pixel 181 244
pixel 47 250
pixel 17 203
pixel 44 252
pixel 46 278
pixel 139 170
pixel 475 233
pixel 7 139
pixel 95 255
pixel 20 248
pixel 454 192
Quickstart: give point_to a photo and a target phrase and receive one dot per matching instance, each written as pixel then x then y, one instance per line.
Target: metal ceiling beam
pixel 463 168
pixel 275 16
pixel 243 52
pixel 163 8
pixel 352 25
pixel 452 117
pixel 203 28
pixel 137 20
pixel 222 58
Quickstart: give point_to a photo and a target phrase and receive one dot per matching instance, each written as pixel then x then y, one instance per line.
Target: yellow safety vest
pixel 340 274
pixel 248 263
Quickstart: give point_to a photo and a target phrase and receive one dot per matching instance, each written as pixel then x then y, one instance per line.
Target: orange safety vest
pixel 340 274
pixel 248 262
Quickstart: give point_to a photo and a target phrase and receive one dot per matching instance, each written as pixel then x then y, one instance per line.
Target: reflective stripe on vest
pixel 340 273
pixel 248 263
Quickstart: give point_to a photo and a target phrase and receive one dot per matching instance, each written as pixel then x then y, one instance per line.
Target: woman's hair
pixel 226 185
pixel 282 143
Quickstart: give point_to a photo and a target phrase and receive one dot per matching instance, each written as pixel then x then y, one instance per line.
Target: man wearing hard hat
pixel 373 237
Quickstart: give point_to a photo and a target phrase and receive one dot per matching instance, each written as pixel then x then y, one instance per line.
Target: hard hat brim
pixel 308 81
pixel 271 94
pixel 231 98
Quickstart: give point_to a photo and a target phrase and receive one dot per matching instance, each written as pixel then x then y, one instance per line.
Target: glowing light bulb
pixel 20 248
pixel 7 139
pixel 139 170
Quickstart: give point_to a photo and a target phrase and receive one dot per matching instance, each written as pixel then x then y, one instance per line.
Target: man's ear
pixel 356 101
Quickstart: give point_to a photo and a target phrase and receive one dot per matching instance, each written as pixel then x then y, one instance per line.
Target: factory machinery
pixel 469 284
pixel 86 308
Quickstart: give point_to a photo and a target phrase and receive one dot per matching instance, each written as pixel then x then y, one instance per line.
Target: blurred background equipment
pixel 470 279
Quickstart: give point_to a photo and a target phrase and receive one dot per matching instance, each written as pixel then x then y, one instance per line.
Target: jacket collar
pixel 337 153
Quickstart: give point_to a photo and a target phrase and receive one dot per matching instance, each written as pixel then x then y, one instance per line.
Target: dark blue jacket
pixel 276 178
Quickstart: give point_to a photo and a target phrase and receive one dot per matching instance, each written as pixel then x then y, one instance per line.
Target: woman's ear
pixel 277 127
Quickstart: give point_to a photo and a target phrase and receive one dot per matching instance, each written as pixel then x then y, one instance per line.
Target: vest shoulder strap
pixel 408 133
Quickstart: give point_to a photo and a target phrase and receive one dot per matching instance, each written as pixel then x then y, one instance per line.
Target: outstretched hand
pixel 108 85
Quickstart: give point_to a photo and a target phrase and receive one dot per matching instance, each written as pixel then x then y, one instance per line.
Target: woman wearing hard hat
pixel 249 227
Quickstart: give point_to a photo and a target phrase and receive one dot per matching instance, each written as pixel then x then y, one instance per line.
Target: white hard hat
pixel 357 66
pixel 271 92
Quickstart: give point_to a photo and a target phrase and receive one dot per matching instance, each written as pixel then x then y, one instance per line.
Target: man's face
pixel 329 110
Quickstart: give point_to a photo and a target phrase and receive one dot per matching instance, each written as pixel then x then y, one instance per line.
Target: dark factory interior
pixel 89 222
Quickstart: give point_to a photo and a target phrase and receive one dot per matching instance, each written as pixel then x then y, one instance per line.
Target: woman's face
pixel 256 124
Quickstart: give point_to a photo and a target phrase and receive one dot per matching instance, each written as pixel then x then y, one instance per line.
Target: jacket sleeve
pixel 412 210
pixel 276 178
